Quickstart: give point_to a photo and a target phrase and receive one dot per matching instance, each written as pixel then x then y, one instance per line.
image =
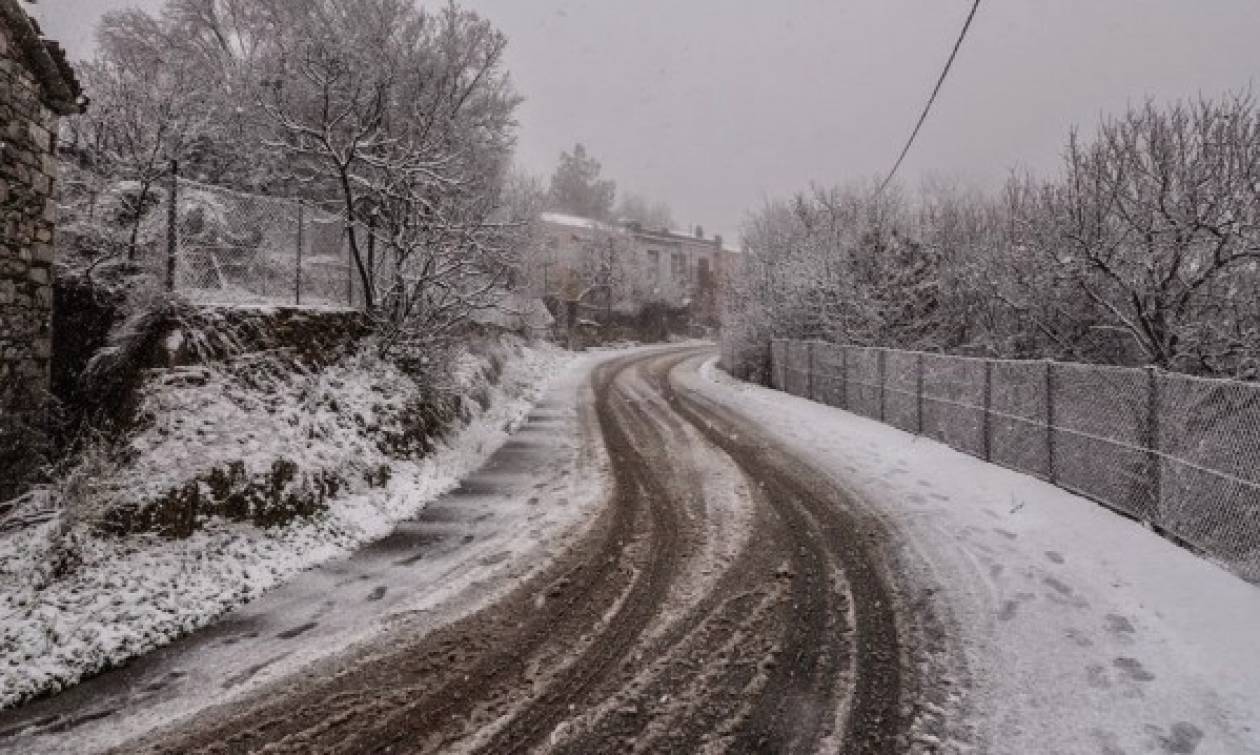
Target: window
pixel 703 273
pixel 654 265
pixel 678 267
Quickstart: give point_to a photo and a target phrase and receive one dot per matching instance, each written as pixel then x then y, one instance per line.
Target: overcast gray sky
pixel 715 105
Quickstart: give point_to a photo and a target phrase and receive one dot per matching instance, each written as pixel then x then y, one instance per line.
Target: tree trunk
pixel 352 238
pixel 135 223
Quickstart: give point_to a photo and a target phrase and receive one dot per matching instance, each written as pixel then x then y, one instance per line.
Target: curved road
pixel 727 599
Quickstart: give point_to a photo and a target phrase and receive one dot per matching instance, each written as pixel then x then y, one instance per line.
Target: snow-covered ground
pixel 1083 631
pixel 130 595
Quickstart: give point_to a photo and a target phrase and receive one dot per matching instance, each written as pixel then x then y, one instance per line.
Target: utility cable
pixel 935 91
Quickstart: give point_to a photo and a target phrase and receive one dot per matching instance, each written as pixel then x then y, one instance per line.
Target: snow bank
pixel 1082 631
pixel 123 597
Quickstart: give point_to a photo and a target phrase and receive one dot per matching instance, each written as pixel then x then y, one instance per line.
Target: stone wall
pixel 27 173
pixel 34 84
pixel 182 335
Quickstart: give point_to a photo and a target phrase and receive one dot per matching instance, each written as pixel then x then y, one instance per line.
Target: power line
pixel 935 91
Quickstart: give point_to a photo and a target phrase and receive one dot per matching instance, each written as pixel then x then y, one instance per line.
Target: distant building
pixel 626 266
pixel 37 86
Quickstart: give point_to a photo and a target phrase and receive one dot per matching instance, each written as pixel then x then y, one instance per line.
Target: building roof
pixel 574 221
pixel 664 234
pixel 46 60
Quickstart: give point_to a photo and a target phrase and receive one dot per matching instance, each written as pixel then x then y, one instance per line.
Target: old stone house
pixel 654 265
pixel 37 87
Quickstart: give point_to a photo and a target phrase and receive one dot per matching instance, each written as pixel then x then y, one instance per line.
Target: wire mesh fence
pixel 217 245
pixel 1179 453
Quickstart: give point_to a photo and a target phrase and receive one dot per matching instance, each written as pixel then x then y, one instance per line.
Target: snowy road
pixel 730 569
pixel 668 626
pixel 1080 631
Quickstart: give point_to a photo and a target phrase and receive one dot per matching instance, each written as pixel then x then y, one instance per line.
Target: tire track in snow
pixel 829 530
pixel 790 647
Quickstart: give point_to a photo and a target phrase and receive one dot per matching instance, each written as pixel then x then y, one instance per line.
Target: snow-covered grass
pixel 1082 631
pixel 118 597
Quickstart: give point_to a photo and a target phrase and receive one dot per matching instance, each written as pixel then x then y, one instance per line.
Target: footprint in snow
pixel 1133 669
pixel 1011 607
pixel 1058 586
pixel 1078 638
pixel 1120 625
pixel 1096 676
pixel 1182 739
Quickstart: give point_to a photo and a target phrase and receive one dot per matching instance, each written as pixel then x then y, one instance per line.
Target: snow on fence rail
pixel 1179 453
pixel 228 247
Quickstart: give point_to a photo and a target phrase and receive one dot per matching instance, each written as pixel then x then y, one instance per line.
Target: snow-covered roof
pixel 577 221
pixel 573 221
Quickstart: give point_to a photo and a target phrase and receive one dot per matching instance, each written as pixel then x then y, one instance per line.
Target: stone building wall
pixel 674 267
pixel 37 86
pixel 27 214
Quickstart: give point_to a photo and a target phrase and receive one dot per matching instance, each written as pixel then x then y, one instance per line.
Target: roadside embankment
pixel 248 445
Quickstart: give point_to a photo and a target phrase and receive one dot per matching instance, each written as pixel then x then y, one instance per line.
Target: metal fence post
pixel 844 377
pixel 987 430
pixel 1050 454
pixel 785 368
pixel 804 384
pixel 172 220
pixel 918 390
pixel 883 381
pixel 784 359
pixel 772 375
pixel 785 372
pixel 1153 442
pixel 809 371
pixel 297 268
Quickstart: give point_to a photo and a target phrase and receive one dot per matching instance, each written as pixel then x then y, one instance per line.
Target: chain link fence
pixel 1178 453
pixel 219 246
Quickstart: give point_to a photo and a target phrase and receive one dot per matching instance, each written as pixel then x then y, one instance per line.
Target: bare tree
pixel 403 120
pixel 1145 251
pixel 1156 226
pixel 146 111
pixel 524 199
